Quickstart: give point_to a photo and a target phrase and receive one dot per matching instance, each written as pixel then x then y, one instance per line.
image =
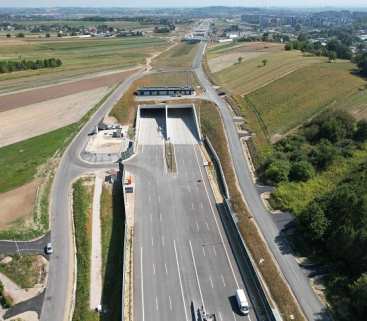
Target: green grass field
pixel 80 54
pixel 180 56
pixel 250 75
pixel 20 161
pixel 82 200
pixel 286 103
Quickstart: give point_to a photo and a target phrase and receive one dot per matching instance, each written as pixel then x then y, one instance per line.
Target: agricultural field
pixel 178 57
pixel 251 74
pixel 222 56
pixel 79 56
pixel 284 104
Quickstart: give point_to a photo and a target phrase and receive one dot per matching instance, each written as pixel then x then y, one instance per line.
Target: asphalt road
pixel 25 247
pixel 58 296
pixel 295 276
pixel 182 258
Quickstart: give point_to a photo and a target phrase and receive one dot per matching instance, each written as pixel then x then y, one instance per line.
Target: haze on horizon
pixel 187 3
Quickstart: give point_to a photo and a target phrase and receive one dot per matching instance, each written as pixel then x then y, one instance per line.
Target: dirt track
pixel 11 101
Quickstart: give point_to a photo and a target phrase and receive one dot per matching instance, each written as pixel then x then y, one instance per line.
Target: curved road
pixel 295 276
pixel 58 296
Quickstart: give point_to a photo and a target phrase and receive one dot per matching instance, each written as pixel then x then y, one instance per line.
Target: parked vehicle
pixel 242 301
pixel 49 249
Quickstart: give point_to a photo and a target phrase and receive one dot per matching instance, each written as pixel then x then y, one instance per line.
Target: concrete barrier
pixel 247 267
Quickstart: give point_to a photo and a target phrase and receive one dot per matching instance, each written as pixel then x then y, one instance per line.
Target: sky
pixel 180 3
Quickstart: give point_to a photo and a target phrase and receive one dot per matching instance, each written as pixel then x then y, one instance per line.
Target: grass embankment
pixel 25 270
pixel 179 56
pixel 81 54
pixel 125 110
pixel 212 126
pixel 112 223
pixel 82 202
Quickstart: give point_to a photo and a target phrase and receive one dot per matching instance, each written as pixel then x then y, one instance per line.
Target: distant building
pixel 165 91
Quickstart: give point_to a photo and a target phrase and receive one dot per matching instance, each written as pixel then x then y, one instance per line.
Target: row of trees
pixel 314 148
pixel 11 66
pixel 333 49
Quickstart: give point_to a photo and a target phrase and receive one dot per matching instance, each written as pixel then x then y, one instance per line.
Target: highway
pixel 182 258
pixel 59 291
pixel 293 273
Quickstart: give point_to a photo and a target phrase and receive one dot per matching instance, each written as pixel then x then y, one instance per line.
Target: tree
pixel 20 35
pixel 301 171
pixel 264 61
pixel 358 302
pixel 323 154
pixel 361 61
pixel 361 132
pixel 331 55
pixel 288 46
pixel 277 171
pixel 48 35
pixel 239 60
pixel 8 35
pixel 314 222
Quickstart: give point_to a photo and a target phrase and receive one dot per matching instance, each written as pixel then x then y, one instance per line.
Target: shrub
pixel 301 171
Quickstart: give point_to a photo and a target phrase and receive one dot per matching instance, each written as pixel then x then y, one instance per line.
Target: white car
pixel 49 249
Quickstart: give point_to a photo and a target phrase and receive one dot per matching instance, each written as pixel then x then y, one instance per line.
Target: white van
pixel 242 301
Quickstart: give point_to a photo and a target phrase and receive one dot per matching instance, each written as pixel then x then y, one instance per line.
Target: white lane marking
pixel 165 267
pixel 211 282
pixel 201 205
pixel 220 316
pixel 203 250
pixel 249 317
pixel 207 226
pixel 153 269
pixel 234 317
pixel 151 217
pixel 222 277
pixel 159 199
pixel 179 277
pixel 214 250
pixel 192 205
pixel 160 217
pixel 162 240
pixel 142 283
pixel 189 188
pixel 150 198
pixel 197 276
pixel 215 219
pixel 170 302
pixel 197 226
pixel 152 241
pixel 156 303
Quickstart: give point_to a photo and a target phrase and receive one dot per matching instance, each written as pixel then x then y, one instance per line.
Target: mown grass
pixel 125 110
pixel 19 162
pixel 112 223
pixel 82 202
pixel 212 126
pixel 290 101
pixel 295 197
pixel 24 270
pixel 180 56
pixel 250 75
pixel 81 54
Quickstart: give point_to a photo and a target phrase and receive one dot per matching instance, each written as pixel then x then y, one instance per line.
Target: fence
pixel 248 270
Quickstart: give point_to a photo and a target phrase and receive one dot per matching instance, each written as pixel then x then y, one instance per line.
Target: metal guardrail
pixel 242 255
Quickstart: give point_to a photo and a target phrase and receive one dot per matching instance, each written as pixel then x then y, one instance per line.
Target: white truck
pixel 242 301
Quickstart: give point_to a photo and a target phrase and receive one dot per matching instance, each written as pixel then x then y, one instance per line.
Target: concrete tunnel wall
pixel 166 108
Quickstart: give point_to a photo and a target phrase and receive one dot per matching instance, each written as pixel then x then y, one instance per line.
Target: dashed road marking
pixel 170 302
pixel 165 267
pixel 153 269
pixel 156 303
pixel 197 276
pixel 162 238
pixel 222 277
pixel 197 226
pixel 215 251
pixel 203 250
pixel 207 226
pixel 142 283
pixel 211 282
